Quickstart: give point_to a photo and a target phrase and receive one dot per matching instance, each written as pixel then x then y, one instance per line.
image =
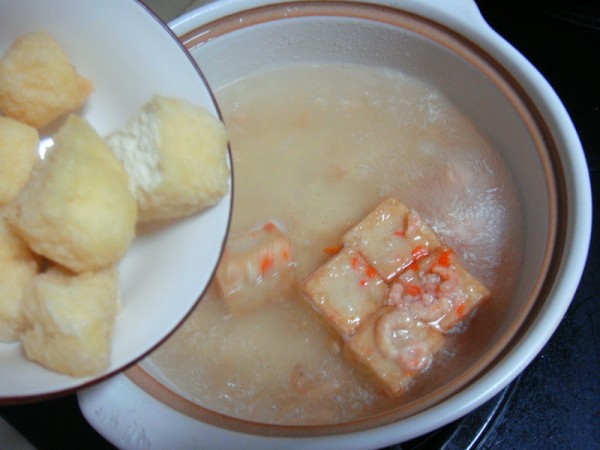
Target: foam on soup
pixel 315 148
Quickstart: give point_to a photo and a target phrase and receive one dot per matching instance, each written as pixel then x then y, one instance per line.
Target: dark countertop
pixel 555 403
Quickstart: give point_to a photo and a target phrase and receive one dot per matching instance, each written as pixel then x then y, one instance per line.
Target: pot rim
pixel 571 239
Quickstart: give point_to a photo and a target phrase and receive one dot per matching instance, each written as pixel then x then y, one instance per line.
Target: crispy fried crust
pixel 185 160
pixel 70 320
pixel 38 84
pixel 19 266
pixel 18 153
pixel 77 209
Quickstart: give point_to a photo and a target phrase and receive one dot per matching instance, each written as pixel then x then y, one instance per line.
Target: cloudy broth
pixel 315 148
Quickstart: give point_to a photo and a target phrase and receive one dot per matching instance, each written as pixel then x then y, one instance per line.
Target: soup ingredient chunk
pixel 257 267
pixel 391 237
pixel 345 290
pixel 18 147
pixel 438 290
pixel 393 347
pixel 18 266
pixel 176 156
pixel 38 84
pixel 70 320
pixel 76 209
pixel 426 293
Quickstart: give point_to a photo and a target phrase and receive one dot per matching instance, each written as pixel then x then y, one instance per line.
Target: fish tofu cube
pixel 345 290
pixel 391 237
pixel 392 347
pixel 257 267
pixel 70 320
pixel 439 290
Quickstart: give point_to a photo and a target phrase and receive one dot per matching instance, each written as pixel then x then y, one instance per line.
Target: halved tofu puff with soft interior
pixel 175 153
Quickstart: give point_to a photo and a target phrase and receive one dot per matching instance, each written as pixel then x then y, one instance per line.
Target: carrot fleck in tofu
pixel 257 267
pixel 438 290
pixel 345 290
pixel 391 237
pixel 392 347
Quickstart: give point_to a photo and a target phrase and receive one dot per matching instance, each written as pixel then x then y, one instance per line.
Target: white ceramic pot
pixel 448 44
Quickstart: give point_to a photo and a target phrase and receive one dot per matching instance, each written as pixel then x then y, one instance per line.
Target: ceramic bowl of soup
pixel 333 108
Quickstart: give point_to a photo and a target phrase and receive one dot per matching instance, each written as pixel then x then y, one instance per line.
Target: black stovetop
pixel 555 403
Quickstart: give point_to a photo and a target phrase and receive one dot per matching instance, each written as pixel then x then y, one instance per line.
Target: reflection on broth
pixel 315 149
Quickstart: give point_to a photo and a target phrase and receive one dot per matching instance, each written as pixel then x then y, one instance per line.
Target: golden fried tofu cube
pixel 76 209
pixel 175 154
pixel 18 153
pixel 38 84
pixel 392 347
pixel 439 290
pixel 345 290
pixel 391 237
pixel 17 267
pixel 257 267
pixel 70 320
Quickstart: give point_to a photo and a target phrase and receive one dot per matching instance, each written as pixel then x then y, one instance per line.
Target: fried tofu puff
pixel 176 156
pixel 77 209
pixel 18 153
pixel 70 320
pixel 18 266
pixel 38 84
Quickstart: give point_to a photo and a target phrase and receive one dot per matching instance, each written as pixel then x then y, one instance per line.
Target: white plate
pixel 129 55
